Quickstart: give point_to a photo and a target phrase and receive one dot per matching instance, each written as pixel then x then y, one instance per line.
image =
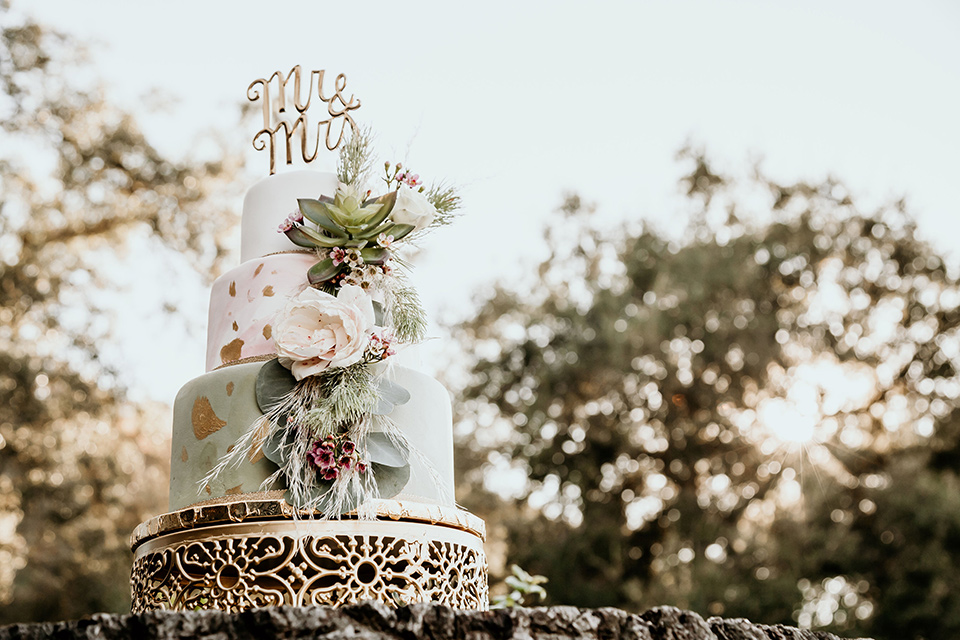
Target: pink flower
pixel 338 256
pixel 294 218
pixel 348 446
pixel 345 462
pixel 330 474
pixel 384 241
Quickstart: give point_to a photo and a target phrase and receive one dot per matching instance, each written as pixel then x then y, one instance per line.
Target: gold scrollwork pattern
pixel 238 569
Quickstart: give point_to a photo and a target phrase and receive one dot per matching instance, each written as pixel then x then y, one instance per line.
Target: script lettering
pixel 276 114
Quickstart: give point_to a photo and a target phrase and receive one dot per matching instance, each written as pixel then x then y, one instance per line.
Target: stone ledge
pixel 376 621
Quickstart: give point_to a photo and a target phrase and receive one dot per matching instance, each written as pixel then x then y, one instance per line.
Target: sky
pixel 521 102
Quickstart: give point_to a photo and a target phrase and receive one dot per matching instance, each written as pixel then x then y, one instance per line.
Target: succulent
pixel 347 222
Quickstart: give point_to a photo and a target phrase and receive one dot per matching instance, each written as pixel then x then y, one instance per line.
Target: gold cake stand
pixel 249 551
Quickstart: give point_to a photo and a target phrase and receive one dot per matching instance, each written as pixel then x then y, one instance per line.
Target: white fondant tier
pixel 270 201
pixel 244 302
pixel 213 410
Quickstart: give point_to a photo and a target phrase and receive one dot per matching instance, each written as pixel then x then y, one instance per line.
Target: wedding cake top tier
pixel 269 202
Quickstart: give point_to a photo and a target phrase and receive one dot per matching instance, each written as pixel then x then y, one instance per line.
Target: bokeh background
pixel 699 318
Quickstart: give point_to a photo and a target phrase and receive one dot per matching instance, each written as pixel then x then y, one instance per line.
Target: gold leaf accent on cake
pixel 207 489
pixel 256 451
pixel 183 455
pixel 268 291
pixel 258 270
pixel 267 331
pixel 231 351
pixel 236 327
pixel 205 421
pixel 232 491
pixel 230 388
pixel 233 289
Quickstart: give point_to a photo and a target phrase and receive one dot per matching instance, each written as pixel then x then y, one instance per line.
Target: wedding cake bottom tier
pixel 214 410
pixel 233 557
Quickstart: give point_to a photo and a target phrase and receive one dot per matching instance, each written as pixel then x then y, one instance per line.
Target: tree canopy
pixel 756 417
pixel 80 464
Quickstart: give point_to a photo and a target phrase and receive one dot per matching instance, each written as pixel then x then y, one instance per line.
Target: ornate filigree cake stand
pixel 246 553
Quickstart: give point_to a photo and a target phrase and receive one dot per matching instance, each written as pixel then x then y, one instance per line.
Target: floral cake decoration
pixel 326 400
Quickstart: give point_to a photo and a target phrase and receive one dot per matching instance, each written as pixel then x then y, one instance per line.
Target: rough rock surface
pixel 375 621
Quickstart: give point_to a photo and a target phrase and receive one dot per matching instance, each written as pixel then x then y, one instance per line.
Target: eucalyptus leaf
pixel 383 407
pixel 377 313
pixel 316 212
pixel 390 480
pixel 389 395
pixel 274 381
pixel 323 271
pixel 393 392
pixel 384 451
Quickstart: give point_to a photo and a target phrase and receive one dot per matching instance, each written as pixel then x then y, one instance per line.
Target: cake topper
pixel 277 113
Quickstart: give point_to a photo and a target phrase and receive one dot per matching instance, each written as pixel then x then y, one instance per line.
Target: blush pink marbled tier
pixel 244 302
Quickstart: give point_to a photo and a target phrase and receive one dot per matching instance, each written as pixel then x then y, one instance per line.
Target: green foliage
pixel 446 200
pixel 750 421
pixel 356 157
pixel 80 465
pixel 348 393
pixel 525 590
pixel 409 318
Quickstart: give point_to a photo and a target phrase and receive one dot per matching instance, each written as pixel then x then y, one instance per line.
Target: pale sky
pixel 521 102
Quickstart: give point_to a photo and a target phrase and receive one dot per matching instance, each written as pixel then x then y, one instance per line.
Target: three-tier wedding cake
pixel 308 465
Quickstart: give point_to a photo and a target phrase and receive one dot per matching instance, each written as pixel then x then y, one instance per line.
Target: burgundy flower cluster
pixel 334 454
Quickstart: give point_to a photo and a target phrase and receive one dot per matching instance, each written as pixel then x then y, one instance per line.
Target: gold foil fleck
pixel 267 331
pixel 231 351
pixel 230 388
pixel 207 489
pixel 183 455
pixel 236 327
pixel 268 291
pixel 233 289
pixel 205 421
pixel 234 490
pixel 258 270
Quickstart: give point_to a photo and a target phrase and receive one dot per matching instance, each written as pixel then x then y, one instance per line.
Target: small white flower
pixel 412 207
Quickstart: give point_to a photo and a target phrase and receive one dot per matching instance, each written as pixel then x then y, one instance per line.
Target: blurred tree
pixel 80 465
pixel 755 419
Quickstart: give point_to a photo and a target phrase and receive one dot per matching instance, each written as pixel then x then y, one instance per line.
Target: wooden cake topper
pixel 277 114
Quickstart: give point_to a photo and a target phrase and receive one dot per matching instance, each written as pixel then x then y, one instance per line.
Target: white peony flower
pixel 318 331
pixel 412 207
